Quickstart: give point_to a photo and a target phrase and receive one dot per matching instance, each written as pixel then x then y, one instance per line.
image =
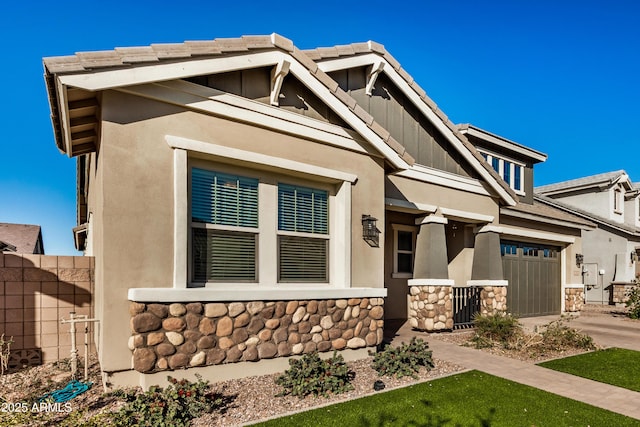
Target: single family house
pixel 610 252
pixel 247 201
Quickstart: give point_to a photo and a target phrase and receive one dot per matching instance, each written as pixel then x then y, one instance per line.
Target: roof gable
pixel 92 72
pixel 375 56
pixel 598 182
pixel 21 238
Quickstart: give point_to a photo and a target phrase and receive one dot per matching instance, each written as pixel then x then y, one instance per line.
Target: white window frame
pixel 222 158
pixel 618 201
pixel 512 170
pixel 414 232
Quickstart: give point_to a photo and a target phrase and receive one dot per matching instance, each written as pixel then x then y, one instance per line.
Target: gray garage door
pixel 533 272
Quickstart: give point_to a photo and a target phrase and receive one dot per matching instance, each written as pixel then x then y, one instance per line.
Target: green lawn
pixel 615 366
pixel 468 399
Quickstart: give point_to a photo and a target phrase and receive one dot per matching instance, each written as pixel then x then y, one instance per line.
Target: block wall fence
pixel 36 291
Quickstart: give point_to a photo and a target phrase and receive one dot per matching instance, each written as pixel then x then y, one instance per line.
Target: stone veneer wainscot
pixel 167 336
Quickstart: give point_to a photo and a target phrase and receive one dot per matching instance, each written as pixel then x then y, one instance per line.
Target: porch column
pixel 487 272
pixel 431 307
pixel 431 249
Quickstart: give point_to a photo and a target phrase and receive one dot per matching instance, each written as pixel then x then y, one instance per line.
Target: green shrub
pixel 500 327
pixel 633 302
pixel 559 336
pixel 405 360
pixel 176 405
pixel 312 375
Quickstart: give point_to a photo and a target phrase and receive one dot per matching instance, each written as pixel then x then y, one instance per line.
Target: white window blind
pixel 223 199
pixel 302 210
pixel 219 199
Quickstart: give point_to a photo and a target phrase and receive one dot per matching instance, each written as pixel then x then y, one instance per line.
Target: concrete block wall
pixel 36 291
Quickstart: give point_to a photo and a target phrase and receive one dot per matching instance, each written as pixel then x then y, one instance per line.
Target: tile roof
pixel 550 212
pixel 587 215
pixel 587 181
pixel 193 50
pixel 24 237
pixel 327 53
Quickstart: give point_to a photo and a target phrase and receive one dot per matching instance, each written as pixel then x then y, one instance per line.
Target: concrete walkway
pixel 594 393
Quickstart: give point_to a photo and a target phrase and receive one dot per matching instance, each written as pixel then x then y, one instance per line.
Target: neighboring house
pixel 246 201
pixel 610 253
pixel 21 238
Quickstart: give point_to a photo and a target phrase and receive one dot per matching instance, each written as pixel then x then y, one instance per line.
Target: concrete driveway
pixel 607 325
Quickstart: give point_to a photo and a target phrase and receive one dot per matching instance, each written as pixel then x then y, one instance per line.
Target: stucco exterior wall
pixel 597 203
pixel 402 188
pixel 132 201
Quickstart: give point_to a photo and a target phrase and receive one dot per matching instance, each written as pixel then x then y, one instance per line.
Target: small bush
pixel 559 336
pixel 500 327
pixel 312 375
pixel 405 360
pixel 633 302
pixel 176 405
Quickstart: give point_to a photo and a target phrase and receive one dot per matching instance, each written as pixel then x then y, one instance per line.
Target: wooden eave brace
pixel 277 77
pixel 376 68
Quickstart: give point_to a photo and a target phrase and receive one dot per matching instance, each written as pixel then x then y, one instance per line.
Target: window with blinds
pixel 302 258
pixel 219 199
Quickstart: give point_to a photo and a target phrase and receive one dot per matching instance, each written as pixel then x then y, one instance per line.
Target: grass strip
pixel 615 366
pixel 468 399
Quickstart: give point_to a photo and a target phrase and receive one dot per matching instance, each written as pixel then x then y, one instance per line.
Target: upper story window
pixel 511 172
pixel 618 201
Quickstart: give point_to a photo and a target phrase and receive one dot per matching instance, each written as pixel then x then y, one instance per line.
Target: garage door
pixel 533 272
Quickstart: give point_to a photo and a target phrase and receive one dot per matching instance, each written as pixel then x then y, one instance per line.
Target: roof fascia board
pixel 466 216
pixel 525 151
pixel 63 107
pixel 370 59
pixel 444 179
pixel 589 217
pixel 342 110
pixel 407 206
pixel 101 80
pixel 109 79
pixel 238 109
pixel 532 234
pixel 538 218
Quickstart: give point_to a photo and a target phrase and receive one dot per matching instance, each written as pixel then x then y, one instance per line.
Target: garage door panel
pixel 533 272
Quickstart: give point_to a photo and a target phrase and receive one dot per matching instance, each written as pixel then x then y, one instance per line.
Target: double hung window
pixel 227 240
pixel 224 215
pixel 303 234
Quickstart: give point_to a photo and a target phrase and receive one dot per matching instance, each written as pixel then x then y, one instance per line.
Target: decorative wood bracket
pixel 277 77
pixel 376 68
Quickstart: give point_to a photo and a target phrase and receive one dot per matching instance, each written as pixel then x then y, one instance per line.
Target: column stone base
pixel 431 304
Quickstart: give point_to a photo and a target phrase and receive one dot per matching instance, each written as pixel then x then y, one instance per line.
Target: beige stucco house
pixel 246 201
pixel 610 253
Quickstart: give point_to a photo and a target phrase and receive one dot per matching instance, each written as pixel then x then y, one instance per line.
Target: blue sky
pixel 558 76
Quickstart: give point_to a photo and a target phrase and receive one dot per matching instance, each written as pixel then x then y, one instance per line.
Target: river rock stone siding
pixel 167 336
pixel 573 299
pixel 493 300
pixel 431 308
pixel 620 291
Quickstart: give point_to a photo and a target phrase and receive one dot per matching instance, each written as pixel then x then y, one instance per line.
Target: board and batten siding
pixel 391 108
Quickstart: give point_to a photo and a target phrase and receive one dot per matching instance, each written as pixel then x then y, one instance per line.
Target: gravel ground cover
pixel 245 400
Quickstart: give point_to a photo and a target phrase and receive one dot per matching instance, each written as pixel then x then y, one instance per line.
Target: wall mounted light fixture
pixel 370 232
pixel 579 259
